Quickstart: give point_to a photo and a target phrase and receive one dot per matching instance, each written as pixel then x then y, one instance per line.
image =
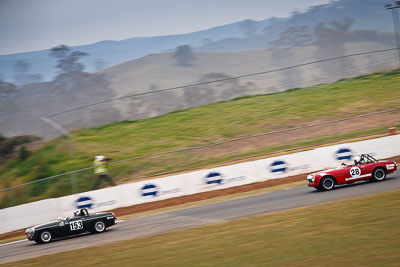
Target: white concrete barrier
pixel 25 215
pixel 152 190
pixel 196 182
pixel 219 178
pixel 284 166
pixel 97 200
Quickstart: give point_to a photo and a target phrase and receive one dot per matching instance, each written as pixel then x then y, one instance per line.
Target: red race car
pixel 365 167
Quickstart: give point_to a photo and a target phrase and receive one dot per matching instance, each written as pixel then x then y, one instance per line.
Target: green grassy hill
pixel 199 126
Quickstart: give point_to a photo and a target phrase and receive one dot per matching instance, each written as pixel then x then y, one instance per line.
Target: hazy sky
pixel 27 25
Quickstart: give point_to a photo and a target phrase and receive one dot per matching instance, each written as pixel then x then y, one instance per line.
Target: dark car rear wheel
pixel 44 237
pixel 327 183
pixel 99 227
pixel 379 174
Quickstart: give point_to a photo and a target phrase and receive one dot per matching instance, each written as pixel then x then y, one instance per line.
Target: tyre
pixel 99 227
pixel 327 183
pixel 44 237
pixel 379 174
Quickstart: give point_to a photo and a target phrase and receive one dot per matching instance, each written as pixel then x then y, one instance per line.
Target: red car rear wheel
pixel 379 174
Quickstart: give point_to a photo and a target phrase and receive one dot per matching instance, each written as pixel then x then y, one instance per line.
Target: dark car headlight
pixel 30 231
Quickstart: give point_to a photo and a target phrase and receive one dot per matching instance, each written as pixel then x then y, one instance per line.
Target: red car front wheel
pixel 327 183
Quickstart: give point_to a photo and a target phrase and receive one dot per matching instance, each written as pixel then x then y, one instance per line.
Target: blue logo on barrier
pixel 149 190
pixel 84 202
pixel 214 178
pixel 278 166
pixel 344 154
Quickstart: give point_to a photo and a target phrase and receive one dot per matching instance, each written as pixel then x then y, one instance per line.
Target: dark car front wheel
pixel 99 227
pixel 44 237
pixel 327 183
pixel 379 174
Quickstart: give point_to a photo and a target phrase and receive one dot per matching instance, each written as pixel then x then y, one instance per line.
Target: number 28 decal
pixel 76 225
pixel 355 172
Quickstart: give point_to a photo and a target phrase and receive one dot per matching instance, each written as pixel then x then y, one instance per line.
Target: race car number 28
pixel 76 225
pixel 355 172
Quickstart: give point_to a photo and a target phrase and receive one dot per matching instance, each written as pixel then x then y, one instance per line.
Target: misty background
pixel 89 85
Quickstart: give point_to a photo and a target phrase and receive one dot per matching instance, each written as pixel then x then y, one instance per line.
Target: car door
pixel 76 225
pixel 357 172
pixel 86 219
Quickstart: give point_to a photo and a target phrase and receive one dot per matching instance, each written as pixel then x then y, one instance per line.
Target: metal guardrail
pixel 210 145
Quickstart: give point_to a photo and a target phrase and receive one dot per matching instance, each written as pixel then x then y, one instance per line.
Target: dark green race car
pixel 81 222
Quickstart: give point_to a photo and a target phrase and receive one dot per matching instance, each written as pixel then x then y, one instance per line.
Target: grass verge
pixel 361 231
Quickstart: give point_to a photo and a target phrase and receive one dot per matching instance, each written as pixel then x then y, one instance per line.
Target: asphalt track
pixel 202 215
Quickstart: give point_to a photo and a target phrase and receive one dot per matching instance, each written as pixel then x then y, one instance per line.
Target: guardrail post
pixel 187 92
pixel 74 184
pixel 131 108
pixel 11 196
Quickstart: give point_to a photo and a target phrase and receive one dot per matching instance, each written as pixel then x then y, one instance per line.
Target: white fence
pixel 196 182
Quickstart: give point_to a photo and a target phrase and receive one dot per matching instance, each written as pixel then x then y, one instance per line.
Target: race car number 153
pixel 76 225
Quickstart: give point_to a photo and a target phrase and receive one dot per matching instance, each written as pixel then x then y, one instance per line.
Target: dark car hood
pixel 48 224
pixel 45 225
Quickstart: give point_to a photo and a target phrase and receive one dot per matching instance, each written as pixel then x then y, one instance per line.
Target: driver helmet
pixel 77 213
pixel 99 157
pixel 357 159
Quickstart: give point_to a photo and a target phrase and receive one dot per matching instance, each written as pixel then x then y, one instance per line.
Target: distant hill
pixel 115 52
pixel 239 36
pixel 162 71
pixel 21 111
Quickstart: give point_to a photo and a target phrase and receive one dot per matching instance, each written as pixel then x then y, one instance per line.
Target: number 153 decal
pixel 76 225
